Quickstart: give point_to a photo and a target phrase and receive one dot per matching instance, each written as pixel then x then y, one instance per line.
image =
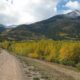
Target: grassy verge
pixel 37 71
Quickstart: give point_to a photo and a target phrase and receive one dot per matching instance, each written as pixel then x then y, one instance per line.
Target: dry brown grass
pixel 45 71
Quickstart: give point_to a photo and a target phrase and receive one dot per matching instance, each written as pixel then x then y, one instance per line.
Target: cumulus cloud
pixel 73 4
pixel 26 11
pixel 7 14
pixel 70 5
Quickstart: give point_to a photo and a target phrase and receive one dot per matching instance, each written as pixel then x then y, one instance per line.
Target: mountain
pixel 59 27
pixel 2 28
pixel 74 14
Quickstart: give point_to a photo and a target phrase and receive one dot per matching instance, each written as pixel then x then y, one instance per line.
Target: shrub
pixel 78 66
pixel 64 52
pixel 36 78
pixel 69 53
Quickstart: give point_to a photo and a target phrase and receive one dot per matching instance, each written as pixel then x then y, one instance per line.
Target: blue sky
pixel 67 5
pixel 61 5
pixel 14 12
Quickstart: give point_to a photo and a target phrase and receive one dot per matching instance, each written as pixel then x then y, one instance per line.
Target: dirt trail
pixel 74 74
pixel 10 68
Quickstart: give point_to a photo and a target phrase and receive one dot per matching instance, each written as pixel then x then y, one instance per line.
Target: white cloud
pixel 27 11
pixel 66 11
pixel 73 4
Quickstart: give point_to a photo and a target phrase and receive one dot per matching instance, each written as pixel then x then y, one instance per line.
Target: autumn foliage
pixel 64 52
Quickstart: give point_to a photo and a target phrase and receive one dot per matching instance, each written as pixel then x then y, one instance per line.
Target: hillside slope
pixel 60 27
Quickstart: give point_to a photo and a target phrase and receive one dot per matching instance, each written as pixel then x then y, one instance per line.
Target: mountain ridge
pixel 58 27
pixel 73 14
pixel 2 28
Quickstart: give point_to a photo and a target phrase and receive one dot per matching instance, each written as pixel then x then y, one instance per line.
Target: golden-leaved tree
pixel 70 53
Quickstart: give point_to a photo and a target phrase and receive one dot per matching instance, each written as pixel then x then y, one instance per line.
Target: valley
pixel 45 50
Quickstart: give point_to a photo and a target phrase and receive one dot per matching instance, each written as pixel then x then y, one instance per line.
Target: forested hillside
pixel 59 27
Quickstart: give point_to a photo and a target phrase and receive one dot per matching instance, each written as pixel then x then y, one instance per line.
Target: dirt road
pixel 10 68
pixel 66 71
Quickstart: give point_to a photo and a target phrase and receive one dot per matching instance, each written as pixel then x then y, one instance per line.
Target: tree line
pixel 63 52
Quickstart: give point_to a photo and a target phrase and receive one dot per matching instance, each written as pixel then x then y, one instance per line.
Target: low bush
pixel 64 52
pixel 78 66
